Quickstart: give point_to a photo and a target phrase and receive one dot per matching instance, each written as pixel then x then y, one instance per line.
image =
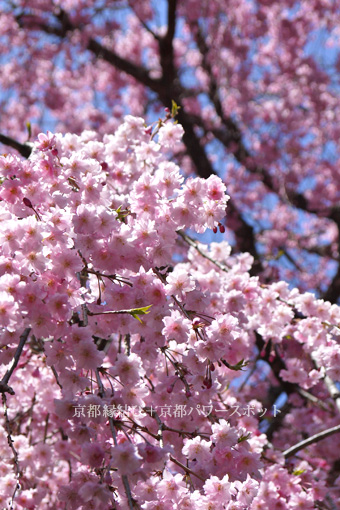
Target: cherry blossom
pixel 140 366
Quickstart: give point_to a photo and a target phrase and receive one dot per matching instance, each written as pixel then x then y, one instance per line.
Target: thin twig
pixel 125 479
pixel 186 469
pixel 100 384
pixel 194 244
pixel 56 377
pixel 4 388
pixel 118 278
pixel 46 426
pixel 128 491
pixel 312 398
pixel 330 385
pixel 12 447
pixel 110 312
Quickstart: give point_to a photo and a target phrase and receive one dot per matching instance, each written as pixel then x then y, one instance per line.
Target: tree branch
pixel 314 439
pixel 24 149
pixel 168 88
pixel 137 72
pixel 4 388
pixel 231 135
pixel 172 5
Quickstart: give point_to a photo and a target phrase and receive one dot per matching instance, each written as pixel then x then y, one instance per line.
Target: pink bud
pixel 215 230
pixel 207 383
pixel 54 152
pixel 222 229
pixel 170 388
pixel 27 202
pixel 36 373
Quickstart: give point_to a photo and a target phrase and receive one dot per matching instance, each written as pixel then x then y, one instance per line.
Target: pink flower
pixel 127 368
pixel 179 283
pixel 198 449
pixel 70 496
pixel 92 454
pixel 246 490
pixel 220 490
pixel 58 354
pixel 224 327
pixel 125 458
pixel 87 355
pixel 176 327
pixel 171 485
pixel 65 408
pixel 96 492
pixel 248 461
pixel 153 454
pixel 302 500
pixel 46 142
pixel 59 306
pixel 295 372
pixel 170 134
pixel 224 435
pixel 8 311
pixel 43 453
pixel 215 188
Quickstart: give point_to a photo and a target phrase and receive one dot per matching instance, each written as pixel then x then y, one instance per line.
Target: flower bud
pixel 27 202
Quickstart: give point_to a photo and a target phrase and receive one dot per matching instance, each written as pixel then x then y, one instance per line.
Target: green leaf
pixel 174 108
pixel 243 438
pixel 239 366
pixel 122 213
pixel 29 129
pixel 298 472
pixel 135 312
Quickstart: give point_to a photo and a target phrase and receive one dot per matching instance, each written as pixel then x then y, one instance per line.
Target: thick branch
pixel 231 135
pixel 23 148
pixel 166 50
pixel 137 72
pixel 172 5
pixel 333 292
pixel 95 47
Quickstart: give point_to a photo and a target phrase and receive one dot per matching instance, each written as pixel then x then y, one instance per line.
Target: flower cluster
pixel 106 301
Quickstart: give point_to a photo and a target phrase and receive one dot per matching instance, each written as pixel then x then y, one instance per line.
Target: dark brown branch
pixel 231 135
pixel 4 388
pixel 145 25
pixel 65 25
pixel 166 50
pixel 137 72
pixel 23 148
pixel 172 5
pixel 332 294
